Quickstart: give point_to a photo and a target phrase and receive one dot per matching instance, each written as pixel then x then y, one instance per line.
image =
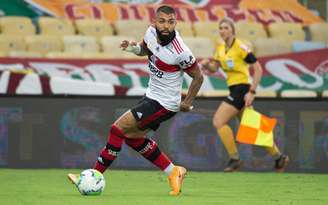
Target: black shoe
pixel 233 165
pixel 281 163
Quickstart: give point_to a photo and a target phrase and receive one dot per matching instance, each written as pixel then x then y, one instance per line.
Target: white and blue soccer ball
pixel 91 182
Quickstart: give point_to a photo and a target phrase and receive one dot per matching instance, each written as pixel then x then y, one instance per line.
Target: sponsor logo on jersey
pixel 139 115
pixel 113 153
pixel 153 68
pixel 149 146
pixel 100 159
pixel 187 63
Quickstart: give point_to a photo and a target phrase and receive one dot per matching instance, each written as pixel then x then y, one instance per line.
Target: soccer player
pixel 235 59
pixel 168 59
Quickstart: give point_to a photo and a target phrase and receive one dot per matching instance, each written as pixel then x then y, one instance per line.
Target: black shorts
pixel 150 114
pixel 237 94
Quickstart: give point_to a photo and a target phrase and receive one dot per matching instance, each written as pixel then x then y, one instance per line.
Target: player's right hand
pixel 125 44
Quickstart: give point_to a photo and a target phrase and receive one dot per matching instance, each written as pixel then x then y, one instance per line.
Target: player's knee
pixel 217 123
pixel 119 127
pixel 126 125
pixel 130 132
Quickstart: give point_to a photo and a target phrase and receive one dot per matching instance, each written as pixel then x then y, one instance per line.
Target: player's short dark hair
pixel 165 9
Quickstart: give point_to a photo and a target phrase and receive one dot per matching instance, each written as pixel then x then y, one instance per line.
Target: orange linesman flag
pixel 256 128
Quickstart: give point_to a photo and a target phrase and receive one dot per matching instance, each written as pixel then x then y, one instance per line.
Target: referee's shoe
pixel 281 163
pixel 233 165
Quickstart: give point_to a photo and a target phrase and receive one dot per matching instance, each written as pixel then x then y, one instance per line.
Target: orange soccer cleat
pixel 74 178
pixel 176 178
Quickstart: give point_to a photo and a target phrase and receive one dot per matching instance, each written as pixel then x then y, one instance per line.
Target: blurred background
pixel 64 80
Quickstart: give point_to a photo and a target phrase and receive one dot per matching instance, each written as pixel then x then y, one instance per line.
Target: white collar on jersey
pixel 152 42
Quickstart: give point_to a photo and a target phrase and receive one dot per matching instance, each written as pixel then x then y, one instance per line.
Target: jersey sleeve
pixel 186 60
pixel 144 46
pixel 148 35
pixel 244 50
pixel 247 54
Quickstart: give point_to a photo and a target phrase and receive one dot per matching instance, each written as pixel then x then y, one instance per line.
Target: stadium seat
pixel 299 46
pixel 25 54
pixel 111 47
pixel 56 26
pixel 201 47
pixel 319 32
pixel 16 25
pixel 250 31
pixel 80 44
pixel 185 29
pixel 94 27
pixel 12 43
pixel 270 46
pixel 43 44
pixel 208 29
pixel 132 28
pixel 287 31
pixel 298 94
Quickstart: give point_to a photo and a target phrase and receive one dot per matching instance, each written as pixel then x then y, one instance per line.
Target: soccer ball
pixel 91 182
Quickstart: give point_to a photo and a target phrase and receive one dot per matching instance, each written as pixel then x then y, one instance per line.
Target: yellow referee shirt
pixel 233 63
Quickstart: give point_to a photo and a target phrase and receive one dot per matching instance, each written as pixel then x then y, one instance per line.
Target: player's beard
pixel 165 39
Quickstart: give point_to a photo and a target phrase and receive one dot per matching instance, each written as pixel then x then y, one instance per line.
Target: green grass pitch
pixel 50 186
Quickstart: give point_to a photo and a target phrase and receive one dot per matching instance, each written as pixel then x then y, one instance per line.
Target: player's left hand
pixel 249 98
pixel 185 107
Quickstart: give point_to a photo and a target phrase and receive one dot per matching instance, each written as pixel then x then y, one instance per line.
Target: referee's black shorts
pixel 237 94
pixel 150 114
